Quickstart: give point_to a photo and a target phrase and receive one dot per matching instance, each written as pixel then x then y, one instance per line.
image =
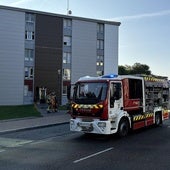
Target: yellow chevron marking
pixel 95 106
pixel 80 106
pixel 101 106
pixel 153 79
pixel 141 117
pixel 75 106
pixel 149 115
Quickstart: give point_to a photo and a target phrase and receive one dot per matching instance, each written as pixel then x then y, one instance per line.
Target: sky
pixel 144 35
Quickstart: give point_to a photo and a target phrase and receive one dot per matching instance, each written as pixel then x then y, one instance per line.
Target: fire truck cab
pixel 115 104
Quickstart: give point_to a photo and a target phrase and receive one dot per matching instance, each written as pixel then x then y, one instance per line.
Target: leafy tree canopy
pixel 137 68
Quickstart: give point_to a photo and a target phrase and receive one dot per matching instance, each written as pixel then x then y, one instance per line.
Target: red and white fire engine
pixel 115 104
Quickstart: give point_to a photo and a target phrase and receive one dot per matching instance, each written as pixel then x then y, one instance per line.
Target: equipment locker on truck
pixel 115 104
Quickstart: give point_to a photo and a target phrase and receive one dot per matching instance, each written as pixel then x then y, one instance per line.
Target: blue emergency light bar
pixel 110 76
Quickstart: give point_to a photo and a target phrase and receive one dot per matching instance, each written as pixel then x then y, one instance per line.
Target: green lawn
pixel 12 112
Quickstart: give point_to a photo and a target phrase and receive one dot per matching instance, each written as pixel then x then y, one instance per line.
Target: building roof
pixel 60 15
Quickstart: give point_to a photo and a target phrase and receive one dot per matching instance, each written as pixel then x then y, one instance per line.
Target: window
pixel 100 44
pixel 100 28
pixel 67 23
pixel 25 90
pixel 29 72
pixel 99 63
pixel 115 93
pixel 90 92
pixel 26 72
pixel 66 58
pixel 67 41
pixel 29 26
pixel 29 17
pixel 100 58
pixel 66 74
pixel 135 89
pixel 29 35
pixel 29 55
pixel 99 73
pixel 64 90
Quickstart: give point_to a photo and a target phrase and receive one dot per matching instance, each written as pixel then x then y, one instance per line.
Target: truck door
pixel 115 95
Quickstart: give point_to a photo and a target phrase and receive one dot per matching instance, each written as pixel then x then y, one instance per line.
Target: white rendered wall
pixel 83 49
pixel 12 34
pixel 111 49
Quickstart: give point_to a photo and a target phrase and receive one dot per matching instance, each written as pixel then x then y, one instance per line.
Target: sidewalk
pixel 47 119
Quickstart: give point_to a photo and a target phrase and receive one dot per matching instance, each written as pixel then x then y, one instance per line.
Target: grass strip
pixel 21 111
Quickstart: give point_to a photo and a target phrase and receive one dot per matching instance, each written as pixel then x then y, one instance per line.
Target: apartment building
pixel 40 50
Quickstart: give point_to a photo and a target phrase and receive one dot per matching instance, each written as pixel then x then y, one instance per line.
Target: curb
pixel 31 128
pixel 16 119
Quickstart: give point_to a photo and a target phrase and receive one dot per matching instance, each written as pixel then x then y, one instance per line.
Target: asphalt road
pixel 56 148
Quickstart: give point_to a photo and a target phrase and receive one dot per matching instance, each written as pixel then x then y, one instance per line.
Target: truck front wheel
pixel 123 128
pixel 158 119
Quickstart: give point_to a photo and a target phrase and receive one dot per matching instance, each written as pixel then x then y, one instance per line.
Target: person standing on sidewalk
pixel 52 102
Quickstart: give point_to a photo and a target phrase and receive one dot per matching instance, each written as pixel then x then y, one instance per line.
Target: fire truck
pixel 118 103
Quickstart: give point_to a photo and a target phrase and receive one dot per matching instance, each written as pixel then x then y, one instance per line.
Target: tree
pixel 137 68
pixel 122 70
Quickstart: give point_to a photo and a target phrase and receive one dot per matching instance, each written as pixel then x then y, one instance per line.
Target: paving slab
pixel 48 119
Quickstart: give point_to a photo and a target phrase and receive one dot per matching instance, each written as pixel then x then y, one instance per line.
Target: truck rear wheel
pixel 123 128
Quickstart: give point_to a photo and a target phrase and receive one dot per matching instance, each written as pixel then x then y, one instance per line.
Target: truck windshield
pixel 90 93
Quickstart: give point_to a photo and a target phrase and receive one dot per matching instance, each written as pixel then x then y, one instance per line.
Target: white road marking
pixel 106 150
pixel 43 140
pixel 11 142
pixel 2 150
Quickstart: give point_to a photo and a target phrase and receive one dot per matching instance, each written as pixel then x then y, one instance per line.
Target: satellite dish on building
pixel 69 12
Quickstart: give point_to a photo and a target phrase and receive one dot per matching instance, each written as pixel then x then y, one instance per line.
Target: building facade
pixel 40 50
